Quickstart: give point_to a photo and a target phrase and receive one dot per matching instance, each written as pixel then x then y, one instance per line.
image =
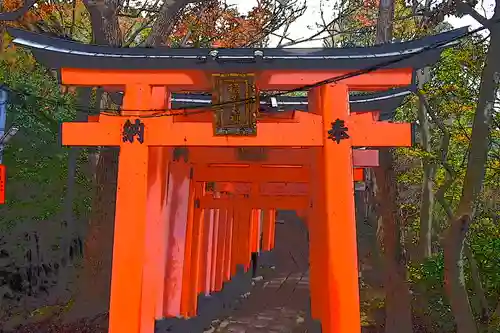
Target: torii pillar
pixel 129 240
pixel 333 227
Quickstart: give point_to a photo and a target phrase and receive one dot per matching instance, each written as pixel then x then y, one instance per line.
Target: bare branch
pixel 278 17
pixel 282 37
pixel 285 31
pixel 328 28
pixel 440 124
pixel 466 9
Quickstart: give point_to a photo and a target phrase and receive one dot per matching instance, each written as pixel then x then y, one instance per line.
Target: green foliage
pixel 452 95
pixel 36 162
pixel 427 279
pixel 484 240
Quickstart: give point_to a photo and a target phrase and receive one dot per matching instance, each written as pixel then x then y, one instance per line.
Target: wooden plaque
pixel 238 114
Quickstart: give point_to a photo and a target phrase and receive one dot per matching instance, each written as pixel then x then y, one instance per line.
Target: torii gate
pixel 329 129
pixel 341 308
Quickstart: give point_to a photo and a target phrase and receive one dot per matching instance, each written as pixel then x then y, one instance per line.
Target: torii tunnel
pixel 195 160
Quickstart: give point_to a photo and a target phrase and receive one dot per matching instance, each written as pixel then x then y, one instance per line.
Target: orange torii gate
pixel 340 309
pixel 144 132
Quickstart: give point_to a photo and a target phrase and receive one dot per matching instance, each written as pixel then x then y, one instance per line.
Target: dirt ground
pixel 278 301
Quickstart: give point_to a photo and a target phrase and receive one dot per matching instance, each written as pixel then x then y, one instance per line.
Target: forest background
pixel 429 242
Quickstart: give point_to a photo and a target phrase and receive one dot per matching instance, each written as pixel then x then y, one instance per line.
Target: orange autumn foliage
pixel 212 25
pixel 39 12
pixel 367 15
pixel 222 27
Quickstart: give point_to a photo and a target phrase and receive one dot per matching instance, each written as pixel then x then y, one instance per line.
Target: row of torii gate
pixel 233 167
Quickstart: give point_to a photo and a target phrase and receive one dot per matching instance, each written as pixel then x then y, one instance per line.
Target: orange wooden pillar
pixel 235 241
pixel 269 227
pixel 255 231
pixel 126 315
pixel 186 298
pixel 246 230
pixel 316 229
pixel 241 242
pixel 341 291
pixel 240 239
pixel 241 233
pixel 316 248
pixel 228 245
pixel 156 240
pixel 177 214
pixel 213 250
pixel 198 251
pixel 272 221
pixel 220 250
pixel 157 226
pixel 358 176
pixel 206 252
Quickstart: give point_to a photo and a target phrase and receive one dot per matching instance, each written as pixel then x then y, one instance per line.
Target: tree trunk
pixel 474 176
pixel 167 18
pixel 385 21
pixel 454 275
pixel 105 25
pixel 429 169
pixel 398 299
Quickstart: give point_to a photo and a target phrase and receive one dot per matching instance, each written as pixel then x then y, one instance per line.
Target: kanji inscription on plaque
pixel 238 102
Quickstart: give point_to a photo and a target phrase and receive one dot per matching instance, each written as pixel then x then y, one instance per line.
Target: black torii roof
pixel 56 53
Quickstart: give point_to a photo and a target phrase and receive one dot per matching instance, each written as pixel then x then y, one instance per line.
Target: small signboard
pixel 360 186
pixel 251 154
pixel 238 102
pixel 3 177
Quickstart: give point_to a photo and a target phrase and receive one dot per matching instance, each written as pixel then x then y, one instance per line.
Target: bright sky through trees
pixel 305 25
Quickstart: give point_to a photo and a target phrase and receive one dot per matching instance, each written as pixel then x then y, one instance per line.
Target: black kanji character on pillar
pixel 338 131
pixel 131 130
